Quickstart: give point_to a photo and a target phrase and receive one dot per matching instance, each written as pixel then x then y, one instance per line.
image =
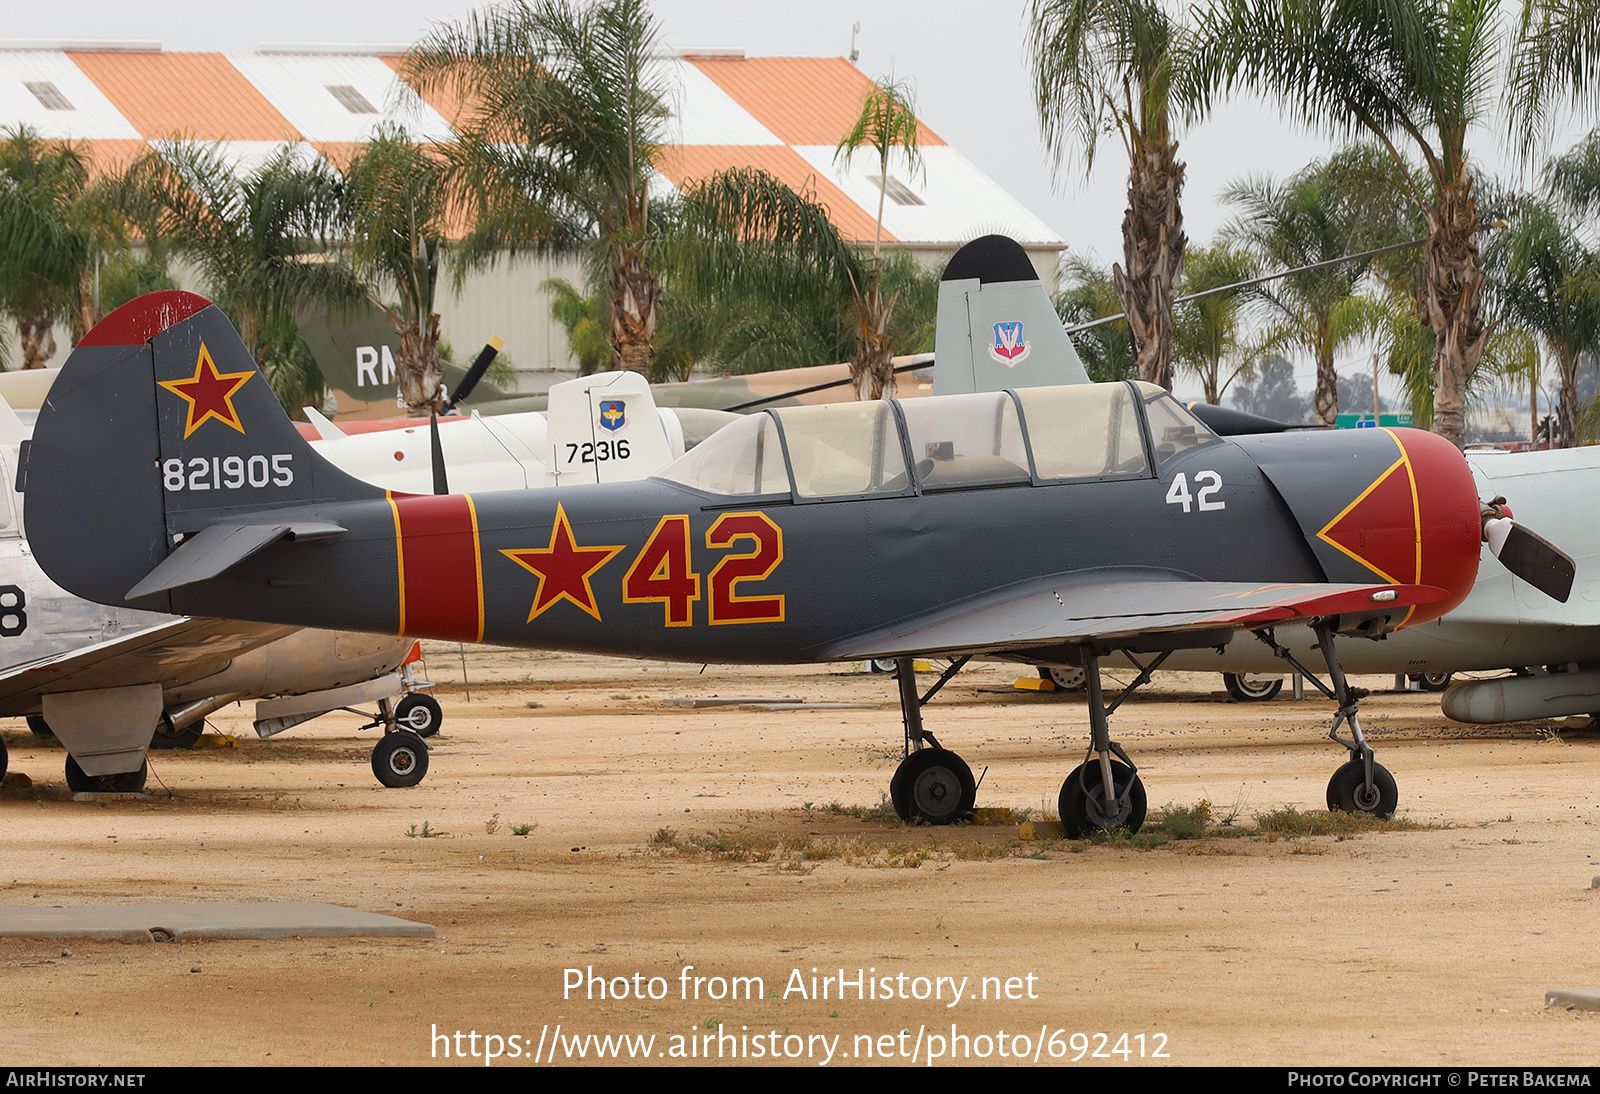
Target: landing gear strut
pixel 1362 785
pixel 1104 792
pixel 932 784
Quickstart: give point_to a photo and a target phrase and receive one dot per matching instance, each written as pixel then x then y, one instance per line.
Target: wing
pixel 1115 610
pixel 167 654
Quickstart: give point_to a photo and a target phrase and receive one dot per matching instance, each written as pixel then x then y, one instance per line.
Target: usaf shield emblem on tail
pixel 1009 345
pixel 613 415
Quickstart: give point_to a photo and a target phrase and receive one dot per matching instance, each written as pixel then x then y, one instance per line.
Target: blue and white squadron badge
pixel 1009 345
pixel 613 415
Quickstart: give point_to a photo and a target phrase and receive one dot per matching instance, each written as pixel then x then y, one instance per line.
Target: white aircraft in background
pixel 600 428
pixel 111 683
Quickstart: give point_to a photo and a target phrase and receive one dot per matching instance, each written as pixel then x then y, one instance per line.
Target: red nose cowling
pixel 1418 523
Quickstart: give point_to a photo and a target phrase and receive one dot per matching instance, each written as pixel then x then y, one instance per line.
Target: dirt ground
pixel 686 852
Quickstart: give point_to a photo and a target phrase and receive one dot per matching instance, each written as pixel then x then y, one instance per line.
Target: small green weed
pixel 1290 822
pixel 883 811
pixel 1182 822
pixel 523 829
pixel 424 833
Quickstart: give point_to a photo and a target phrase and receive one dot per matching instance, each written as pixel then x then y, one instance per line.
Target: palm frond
pixel 1556 57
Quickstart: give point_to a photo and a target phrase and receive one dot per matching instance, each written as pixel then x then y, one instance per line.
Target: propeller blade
pixel 440 485
pixel 481 365
pixel 1531 557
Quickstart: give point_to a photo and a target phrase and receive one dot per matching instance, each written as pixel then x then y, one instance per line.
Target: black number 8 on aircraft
pixel 1047 525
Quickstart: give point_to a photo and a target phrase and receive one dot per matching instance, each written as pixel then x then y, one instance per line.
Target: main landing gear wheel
pixel 1083 801
pixel 400 759
pixel 1347 791
pixel 420 714
pixel 933 785
pixel 125 782
pixel 40 727
pixel 1435 681
pixel 1252 689
pixel 5 759
pixel 1065 679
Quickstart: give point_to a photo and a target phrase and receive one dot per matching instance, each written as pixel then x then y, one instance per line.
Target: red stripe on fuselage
pixel 442 584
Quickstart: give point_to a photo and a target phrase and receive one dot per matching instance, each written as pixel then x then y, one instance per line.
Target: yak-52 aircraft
pixel 1045 525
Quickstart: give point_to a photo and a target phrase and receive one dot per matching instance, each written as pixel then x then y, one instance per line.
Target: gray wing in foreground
pixel 1078 608
pixel 168 654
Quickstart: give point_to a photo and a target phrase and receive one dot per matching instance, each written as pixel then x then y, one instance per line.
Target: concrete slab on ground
pixel 174 922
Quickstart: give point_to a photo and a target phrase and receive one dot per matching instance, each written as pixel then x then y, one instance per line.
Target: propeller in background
pixel 480 365
pixel 1526 553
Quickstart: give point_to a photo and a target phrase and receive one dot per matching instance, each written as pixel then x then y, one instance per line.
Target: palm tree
pixel 396 205
pixel 1208 332
pixel 584 320
pixel 1090 294
pixel 888 120
pixel 1556 55
pixel 44 250
pixel 1099 65
pixel 1547 283
pixel 1418 73
pixel 1574 178
pixel 757 275
pixel 1318 214
pixel 259 239
pixel 565 106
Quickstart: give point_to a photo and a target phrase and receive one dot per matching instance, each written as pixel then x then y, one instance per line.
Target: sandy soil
pixel 1425 946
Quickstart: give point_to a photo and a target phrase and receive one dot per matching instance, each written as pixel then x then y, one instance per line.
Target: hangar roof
pixel 782 114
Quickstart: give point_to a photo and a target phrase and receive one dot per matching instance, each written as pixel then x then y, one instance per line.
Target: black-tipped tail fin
pixel 996 327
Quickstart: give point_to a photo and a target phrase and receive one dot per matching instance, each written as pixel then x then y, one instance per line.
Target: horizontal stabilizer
pixel 214 550
pixel 326 430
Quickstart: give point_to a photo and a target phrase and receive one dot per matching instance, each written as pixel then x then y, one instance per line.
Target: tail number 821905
pixel 227 472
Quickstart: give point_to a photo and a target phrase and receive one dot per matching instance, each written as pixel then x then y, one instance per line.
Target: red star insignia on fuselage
pixel 209 393
pixel 564 568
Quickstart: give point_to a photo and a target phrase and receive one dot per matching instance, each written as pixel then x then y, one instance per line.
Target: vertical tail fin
pixel 606 428
pixel 160 426
pixel 996 327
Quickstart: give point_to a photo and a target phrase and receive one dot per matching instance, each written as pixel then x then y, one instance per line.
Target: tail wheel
pixel 400 759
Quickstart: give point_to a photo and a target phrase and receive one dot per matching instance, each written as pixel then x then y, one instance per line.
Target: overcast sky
pixel 967 62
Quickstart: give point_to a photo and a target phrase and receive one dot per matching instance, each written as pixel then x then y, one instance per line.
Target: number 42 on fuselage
pixel 1047 524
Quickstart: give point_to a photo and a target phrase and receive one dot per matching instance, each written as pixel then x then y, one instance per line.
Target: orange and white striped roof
pixel 782 114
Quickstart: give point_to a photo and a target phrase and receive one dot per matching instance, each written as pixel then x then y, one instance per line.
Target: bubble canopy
pixel 888 448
